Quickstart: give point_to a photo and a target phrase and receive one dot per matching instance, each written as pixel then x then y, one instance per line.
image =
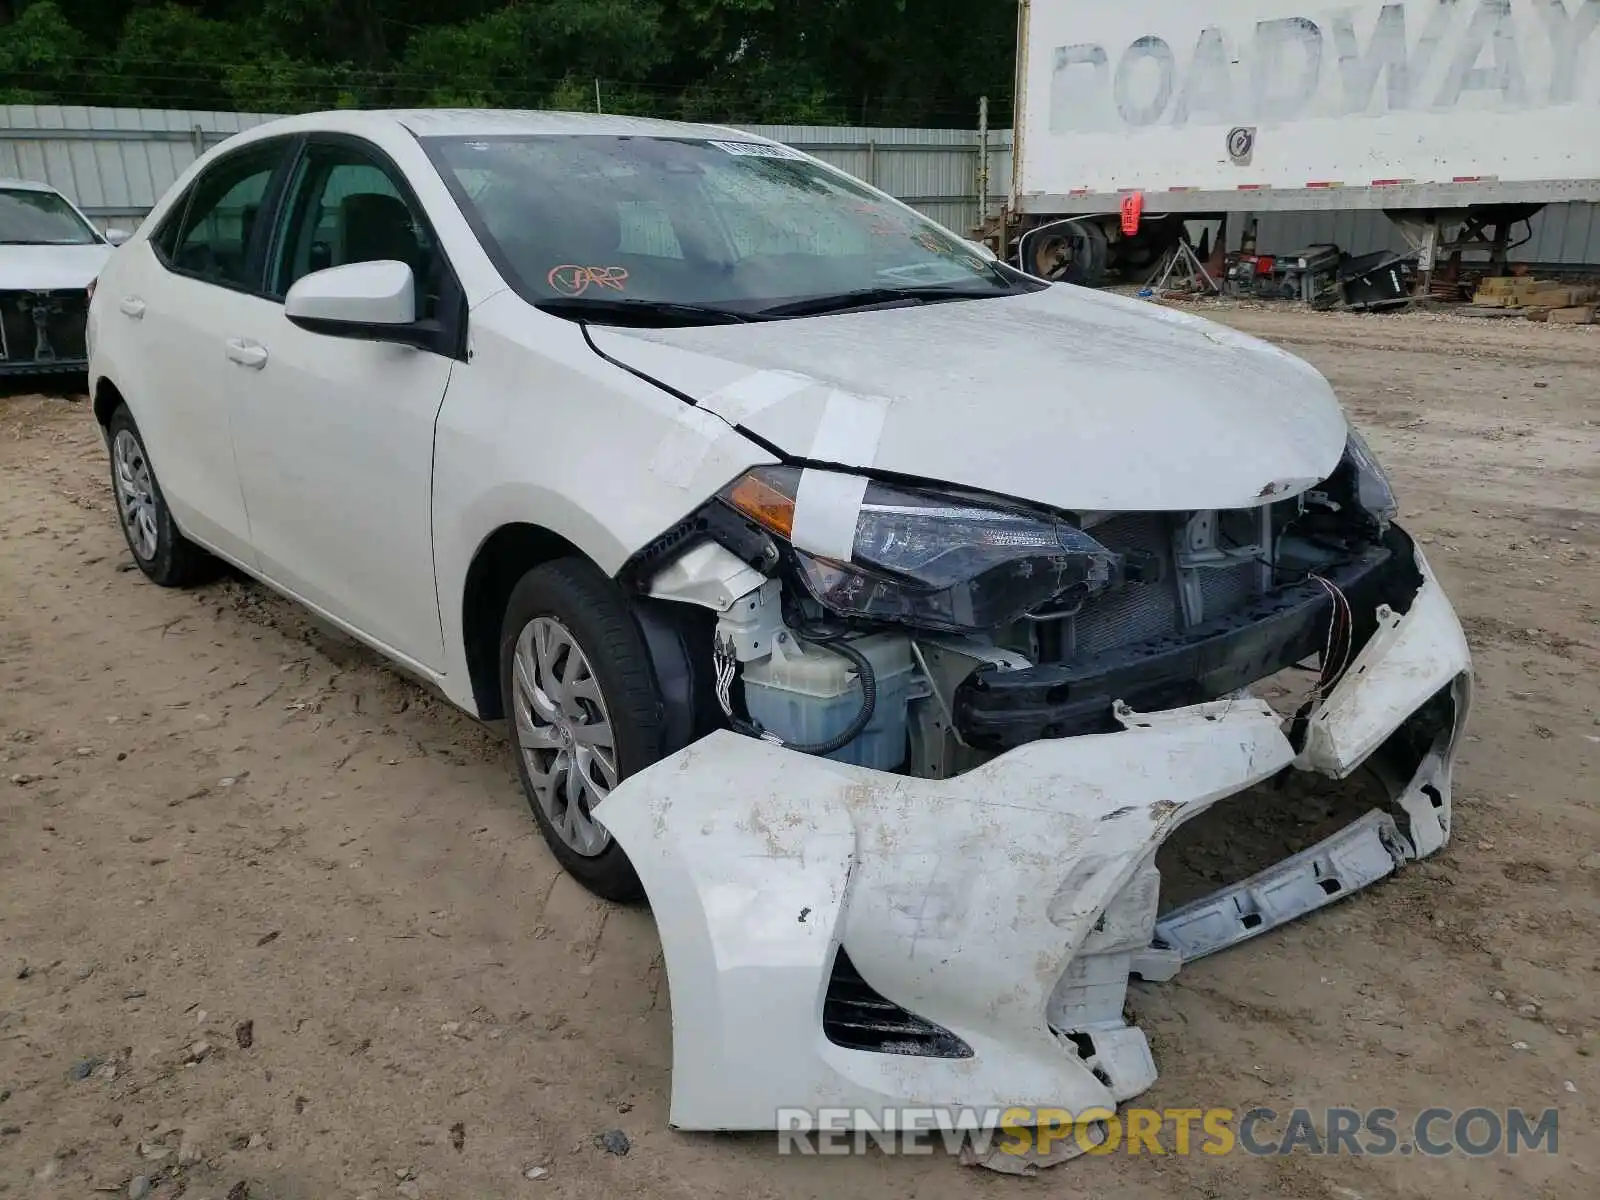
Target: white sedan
pixel 49 257
pixel 874 608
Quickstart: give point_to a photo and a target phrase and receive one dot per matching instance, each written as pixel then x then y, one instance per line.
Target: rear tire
pixel 583 710
pixel 161 551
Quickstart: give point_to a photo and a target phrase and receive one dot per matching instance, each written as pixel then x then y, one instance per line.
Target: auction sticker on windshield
pixel 757 150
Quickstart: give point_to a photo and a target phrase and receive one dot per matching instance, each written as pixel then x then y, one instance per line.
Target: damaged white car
pixel 876 611
pixel 49 257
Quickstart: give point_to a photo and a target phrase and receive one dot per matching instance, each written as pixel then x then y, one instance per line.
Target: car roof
pixel 25 185
pixel 484 122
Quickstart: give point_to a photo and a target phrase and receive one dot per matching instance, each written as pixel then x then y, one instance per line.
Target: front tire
pixel 162 552
pixel 583 712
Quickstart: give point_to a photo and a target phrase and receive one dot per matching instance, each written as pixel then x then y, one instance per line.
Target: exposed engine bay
pixel 42 330
pixel 954 627
pixel 951 733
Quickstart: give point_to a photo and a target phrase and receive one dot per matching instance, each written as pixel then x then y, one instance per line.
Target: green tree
pixel 887 62
pixel 39 53
pixel 524 55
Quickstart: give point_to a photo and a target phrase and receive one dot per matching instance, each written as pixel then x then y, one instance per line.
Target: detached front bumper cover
pixel 841 937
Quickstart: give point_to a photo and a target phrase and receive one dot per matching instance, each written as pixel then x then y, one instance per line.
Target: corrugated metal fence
pixel 115 163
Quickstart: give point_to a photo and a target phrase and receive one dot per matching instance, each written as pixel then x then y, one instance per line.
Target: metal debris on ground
pixel 83 1070
pixel 1184 273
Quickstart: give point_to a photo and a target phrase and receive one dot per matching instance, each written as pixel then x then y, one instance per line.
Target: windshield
pixel 30 218
pixel 656 230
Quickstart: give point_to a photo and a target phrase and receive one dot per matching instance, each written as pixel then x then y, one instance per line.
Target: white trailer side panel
pixel 1404 103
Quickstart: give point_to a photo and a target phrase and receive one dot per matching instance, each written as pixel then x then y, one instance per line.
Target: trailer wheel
pixel 1156 239
pixel 1075 253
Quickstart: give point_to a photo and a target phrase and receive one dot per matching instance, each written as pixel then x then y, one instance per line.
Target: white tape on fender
pixel 681 454
pixel 744 398
pixel 826 509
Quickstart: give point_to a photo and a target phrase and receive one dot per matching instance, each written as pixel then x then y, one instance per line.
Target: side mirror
pixel 369 301
pixel 117 236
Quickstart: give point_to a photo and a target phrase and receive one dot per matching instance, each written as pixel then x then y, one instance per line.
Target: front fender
pixel 538 429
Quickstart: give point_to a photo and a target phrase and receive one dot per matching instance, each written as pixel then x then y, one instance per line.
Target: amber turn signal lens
pixel 763 504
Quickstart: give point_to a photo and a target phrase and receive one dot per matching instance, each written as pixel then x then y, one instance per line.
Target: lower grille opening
pixel 1245 834
pixel 856 1017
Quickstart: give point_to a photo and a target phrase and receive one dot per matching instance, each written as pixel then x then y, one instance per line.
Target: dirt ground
pixel 275 924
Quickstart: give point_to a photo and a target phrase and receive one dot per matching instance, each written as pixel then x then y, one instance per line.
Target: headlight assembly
pixel 1373 491
pixel 932 560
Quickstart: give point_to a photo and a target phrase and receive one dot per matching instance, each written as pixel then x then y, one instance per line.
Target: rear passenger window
pixel 165 239
pixel 214 240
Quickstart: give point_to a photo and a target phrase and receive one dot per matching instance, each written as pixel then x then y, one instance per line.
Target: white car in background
pixel 49 257
pixel 875 609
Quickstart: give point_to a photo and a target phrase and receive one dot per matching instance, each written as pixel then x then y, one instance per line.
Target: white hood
pixel 1066 397
pixel 48 268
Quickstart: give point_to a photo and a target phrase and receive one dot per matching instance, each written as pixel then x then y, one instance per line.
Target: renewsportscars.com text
pixel 1259 1132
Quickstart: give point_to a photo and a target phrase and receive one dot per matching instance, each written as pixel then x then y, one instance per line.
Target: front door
pixel 334 436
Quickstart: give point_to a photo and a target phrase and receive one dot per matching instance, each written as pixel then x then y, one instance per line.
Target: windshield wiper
pixel 865 298
pixel 645 313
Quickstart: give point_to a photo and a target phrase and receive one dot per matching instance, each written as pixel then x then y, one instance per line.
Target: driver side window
pixel 344 207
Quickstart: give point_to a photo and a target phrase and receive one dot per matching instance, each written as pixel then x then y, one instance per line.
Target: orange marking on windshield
pixel 572 280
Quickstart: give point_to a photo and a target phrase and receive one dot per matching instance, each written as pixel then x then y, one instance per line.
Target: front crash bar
pixel 1356 857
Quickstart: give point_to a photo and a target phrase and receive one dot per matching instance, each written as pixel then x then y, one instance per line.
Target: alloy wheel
pixel 136 494
pixel 563 732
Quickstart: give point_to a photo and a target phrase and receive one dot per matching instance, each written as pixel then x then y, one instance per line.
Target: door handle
pixel 132 306
pixel 247 354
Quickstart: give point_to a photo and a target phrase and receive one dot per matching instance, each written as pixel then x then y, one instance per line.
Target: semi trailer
pixel 1460 119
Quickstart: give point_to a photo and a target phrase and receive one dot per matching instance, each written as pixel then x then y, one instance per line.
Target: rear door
pixel 334 436
pixel 176 301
